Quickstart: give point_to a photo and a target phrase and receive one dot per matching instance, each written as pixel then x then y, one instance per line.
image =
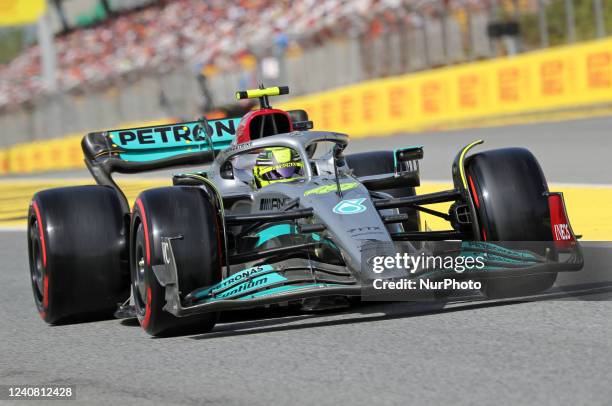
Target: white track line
pixel 12 229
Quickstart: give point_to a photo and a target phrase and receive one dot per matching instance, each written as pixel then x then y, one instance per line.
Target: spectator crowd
pixel 171 33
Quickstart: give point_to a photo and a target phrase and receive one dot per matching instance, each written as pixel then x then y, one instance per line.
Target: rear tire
pixel 509 191
pixel 170 212
pixel 378 163
pixel 78 253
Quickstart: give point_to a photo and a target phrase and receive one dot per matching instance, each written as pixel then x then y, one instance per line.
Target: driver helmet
pixel 277 164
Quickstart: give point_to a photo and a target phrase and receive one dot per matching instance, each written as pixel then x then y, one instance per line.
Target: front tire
pixel 510 194
pixel 171 212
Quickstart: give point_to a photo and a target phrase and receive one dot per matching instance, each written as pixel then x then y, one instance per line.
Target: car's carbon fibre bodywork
pixel 328 212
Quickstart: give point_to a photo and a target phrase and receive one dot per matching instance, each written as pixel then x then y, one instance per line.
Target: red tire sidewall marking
pixel 41 234
pixel 146 230
pixel 477 203
pixel 474 194
pixel 45 301
pixel 147 316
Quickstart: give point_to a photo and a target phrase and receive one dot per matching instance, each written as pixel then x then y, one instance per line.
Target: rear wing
pixel 135 150
pixel 140 149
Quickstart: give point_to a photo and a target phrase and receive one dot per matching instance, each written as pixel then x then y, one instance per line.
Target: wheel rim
pixel 37 269
pixel 139 287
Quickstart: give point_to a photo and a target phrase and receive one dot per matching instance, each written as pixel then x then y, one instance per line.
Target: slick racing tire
pixel 510 197
pixel 184 212
pixel 77 248
pixel 378 163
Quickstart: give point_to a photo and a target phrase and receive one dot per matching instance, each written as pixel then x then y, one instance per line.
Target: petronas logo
pixel 350 206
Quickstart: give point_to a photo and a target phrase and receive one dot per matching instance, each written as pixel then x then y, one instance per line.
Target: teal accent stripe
pixel 497 258
pixel 493 249
pixel 287 288
pixel 274 232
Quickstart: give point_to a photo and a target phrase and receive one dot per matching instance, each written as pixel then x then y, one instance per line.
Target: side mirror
pixel 303 125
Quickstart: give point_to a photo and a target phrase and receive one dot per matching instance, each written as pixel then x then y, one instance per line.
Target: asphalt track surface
pixel 553 352
pixel 577 151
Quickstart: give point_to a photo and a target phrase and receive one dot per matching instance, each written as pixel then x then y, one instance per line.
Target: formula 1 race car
pixel 280 215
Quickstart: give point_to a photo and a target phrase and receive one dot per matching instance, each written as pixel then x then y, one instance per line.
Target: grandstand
pixel 128 60
pixel 218 34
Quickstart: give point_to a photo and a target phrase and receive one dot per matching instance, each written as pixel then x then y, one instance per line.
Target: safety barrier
pixel 4 162
pixel 50 155
pixel 556 79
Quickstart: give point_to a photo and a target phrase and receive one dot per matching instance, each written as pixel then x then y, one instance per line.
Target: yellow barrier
pixel 583 202
pixel 554 79
pixel 558 78
pixel 4 162
pixel 50 155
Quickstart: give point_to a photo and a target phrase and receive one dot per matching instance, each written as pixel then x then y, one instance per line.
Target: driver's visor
pixel 285 170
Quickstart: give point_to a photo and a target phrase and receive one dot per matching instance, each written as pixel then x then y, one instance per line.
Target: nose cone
pixel 351 221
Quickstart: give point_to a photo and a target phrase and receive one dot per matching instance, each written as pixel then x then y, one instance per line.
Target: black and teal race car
pixel 237 233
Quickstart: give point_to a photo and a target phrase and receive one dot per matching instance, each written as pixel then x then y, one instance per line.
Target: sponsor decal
pixel 242 275
pixel 561 229
pixel 279 166
pixel 250 285
pixel 273 203
pixel 350 206
pixel 321 190
pixel 562 232
pixel 240 147
pixel 173 134
pixel 367 230
pixel 247 280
